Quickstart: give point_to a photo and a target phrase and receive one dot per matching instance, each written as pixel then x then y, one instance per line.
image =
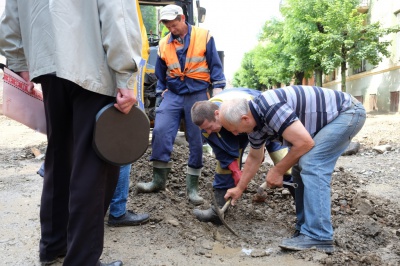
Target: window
pixel 373 106
pixel 330 77
pixel 360 98
pixel 394 101
pixel 362 68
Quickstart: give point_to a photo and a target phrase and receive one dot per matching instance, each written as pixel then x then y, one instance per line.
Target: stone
pixel 382 148
pixel 352 149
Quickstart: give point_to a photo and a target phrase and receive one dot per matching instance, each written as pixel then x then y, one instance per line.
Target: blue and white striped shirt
pixel 275 110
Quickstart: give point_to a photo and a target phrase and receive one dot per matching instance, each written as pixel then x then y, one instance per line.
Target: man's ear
pixel 245 118
pixel 216 116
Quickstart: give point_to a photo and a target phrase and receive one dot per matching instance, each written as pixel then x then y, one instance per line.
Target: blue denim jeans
pixel 120 197
pixel 314 171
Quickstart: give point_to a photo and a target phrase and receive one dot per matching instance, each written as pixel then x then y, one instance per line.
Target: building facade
pixel 377 87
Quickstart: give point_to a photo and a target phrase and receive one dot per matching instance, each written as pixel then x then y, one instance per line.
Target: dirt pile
pixel 365 210
pixel 366 227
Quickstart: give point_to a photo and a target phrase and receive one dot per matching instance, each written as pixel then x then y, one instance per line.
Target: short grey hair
pixel 233 110
pixel 203 110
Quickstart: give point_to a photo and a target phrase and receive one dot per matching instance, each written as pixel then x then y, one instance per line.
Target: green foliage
pixel 149 15
pixel 245 76
pixel 338 32
pixel 164 30
pixel 315 36
pixel 267 64
pixel 273 61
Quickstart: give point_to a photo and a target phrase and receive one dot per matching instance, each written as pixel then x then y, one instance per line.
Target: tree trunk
pixel 318 77
pixel 343 74
pixel 343 68
pixel 298 78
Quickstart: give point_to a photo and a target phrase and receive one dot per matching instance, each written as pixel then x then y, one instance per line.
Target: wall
pixel 385 77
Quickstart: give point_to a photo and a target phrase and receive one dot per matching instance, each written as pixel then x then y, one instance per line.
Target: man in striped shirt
pixel 318 125
pixel 228 148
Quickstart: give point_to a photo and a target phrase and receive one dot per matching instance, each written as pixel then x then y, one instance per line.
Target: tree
pixel 272 62
pixel 266 65
pixel 300 24
pixel 283 53
pixel 315 36
pixel 336 33
pixel 149 14
pixel 295 36
pixel 246 75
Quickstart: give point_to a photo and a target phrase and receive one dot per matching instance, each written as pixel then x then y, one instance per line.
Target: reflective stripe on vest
pixel 196 66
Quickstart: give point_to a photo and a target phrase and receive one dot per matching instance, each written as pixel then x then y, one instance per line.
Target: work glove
pixel 236 173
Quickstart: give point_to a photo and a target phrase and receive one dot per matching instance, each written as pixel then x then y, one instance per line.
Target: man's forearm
pixel 301 142
pixel 291 158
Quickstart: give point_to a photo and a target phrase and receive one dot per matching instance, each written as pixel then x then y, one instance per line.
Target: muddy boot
pixel 192 186
pixel 160 173
pixel 210 214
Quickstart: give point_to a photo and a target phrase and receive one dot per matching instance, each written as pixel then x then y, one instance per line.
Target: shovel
pixel 220 212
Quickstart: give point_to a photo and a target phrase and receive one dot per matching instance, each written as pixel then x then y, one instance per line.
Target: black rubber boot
pixel 291 189
pixel 210 215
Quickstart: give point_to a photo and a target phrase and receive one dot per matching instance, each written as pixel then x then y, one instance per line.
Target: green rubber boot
pixel 210 214
pixel 192 186
pixel 160 173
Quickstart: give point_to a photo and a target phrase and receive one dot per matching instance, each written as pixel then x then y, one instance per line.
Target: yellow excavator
pixel 145 88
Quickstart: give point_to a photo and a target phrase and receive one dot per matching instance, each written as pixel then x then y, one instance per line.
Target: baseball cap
pixel 170 12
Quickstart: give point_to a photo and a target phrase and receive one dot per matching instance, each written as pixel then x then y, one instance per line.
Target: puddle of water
pixel 222 250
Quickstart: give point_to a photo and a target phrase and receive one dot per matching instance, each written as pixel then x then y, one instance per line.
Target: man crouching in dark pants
pixel 228 148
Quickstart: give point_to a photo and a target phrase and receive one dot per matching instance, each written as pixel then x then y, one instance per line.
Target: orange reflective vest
pixel 196 66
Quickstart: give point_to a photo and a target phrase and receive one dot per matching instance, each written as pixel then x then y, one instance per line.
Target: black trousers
pixel 77 185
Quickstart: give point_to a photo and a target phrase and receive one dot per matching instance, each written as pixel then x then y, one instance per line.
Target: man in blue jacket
pixel 187 64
